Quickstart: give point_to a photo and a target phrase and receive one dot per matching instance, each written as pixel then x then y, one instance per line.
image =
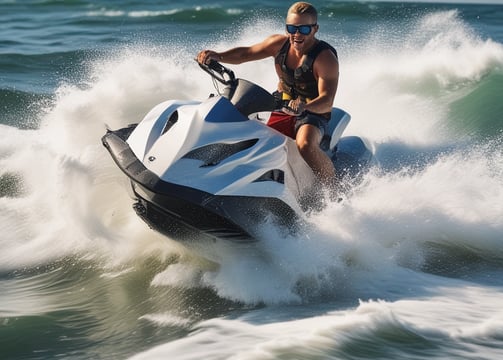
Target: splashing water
pixel 431 188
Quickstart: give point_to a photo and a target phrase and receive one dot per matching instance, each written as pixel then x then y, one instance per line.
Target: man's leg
pixel 308 141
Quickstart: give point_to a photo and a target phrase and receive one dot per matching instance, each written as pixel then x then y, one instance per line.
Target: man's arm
pixel 326 70
pixel 269 47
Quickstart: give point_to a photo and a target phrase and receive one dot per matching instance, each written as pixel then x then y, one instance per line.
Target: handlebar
pixel 226 76
pixel 219 72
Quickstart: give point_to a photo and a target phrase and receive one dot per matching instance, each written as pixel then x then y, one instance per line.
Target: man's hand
pixel 205 56
pixel 295 107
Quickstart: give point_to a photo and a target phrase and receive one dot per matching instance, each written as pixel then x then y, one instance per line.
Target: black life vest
pixel 301 81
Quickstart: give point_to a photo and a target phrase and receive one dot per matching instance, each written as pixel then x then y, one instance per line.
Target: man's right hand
pixel 205 56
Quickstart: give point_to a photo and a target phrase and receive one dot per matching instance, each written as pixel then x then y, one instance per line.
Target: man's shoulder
pixel 274 43
pixel 276 39
pixel 325 47
pixel 327 61
pixel 326 52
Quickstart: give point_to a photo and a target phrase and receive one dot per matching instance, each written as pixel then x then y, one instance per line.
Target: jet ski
pixel 215 170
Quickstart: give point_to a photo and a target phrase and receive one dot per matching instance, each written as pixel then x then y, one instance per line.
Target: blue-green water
pixel 408 266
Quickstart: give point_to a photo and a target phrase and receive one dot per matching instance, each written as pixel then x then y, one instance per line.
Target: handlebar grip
pixel 218 72
pixel 216 66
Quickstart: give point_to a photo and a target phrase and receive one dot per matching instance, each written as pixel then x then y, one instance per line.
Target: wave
pixel 422 78
pixel 479 113
pixel 23 109
pixel 369 330
pixel 42 73
pixel 78 300
pixel 196 14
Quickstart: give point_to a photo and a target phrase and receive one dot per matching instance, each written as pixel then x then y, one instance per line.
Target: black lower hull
pixel 236 219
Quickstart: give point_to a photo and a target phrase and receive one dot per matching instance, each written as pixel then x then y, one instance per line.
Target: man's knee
pixel 302 142
pixel 308 135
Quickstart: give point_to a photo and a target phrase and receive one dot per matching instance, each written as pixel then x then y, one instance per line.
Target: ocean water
pixel 408 266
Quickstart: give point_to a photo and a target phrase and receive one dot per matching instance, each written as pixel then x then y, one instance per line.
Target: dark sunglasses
pixel 303 29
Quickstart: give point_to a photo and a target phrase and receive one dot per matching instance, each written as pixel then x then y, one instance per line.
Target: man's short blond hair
pixel 302 7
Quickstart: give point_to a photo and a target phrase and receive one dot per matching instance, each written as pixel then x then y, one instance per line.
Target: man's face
pixel 299 40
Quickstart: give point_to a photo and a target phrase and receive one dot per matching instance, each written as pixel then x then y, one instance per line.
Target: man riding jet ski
pixel 215 170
